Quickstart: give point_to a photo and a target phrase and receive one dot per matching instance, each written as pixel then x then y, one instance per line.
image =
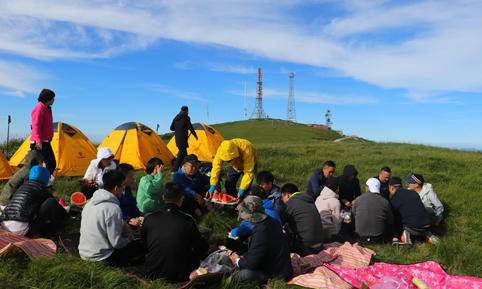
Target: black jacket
pixel 349 189
pixel 409 209
pixel 181 125
pixel 25 202
pixel 268 251
pixel 173 244
pixel 373 215
pixel 316 184
pixel 303 219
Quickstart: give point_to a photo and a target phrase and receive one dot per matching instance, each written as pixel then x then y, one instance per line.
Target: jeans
pixel 48 154
pixel 247 275
pixel 180 158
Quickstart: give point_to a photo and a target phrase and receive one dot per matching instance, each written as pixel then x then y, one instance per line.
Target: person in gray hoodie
pixel 328 207
pixel 33 158
pixel 104 235
pixel 429 197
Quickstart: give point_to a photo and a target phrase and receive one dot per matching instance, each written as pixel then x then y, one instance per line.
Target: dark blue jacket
pixel 316 184
pixel 409 209
pixel 191 184
pixel 128 206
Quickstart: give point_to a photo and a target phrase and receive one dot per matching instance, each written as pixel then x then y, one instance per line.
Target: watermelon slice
pixel 223 198
pixel 78 199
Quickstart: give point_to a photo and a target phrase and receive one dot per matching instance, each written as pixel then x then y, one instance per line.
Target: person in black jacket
pixel 384 176
pixel 349 186
pixel 32 210
pixel 410 213
pixel 174 246
pixel 303 222
pixel 181 125
pixel 268 254
pixel 318 179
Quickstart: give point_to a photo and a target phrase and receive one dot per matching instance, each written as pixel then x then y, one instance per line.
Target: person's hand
pixel 241 193
pixel 38 145
pixel 162 168
pixel 211 189
pixel 135 222
pixel 234 257
pixel 346 203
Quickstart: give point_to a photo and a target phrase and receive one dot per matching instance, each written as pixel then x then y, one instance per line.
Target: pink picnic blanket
pixel 11 243
pixel 429 272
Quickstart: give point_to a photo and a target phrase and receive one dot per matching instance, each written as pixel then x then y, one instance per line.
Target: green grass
pixel 291 152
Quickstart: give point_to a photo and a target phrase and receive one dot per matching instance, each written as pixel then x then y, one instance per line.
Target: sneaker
pixel 64 204
pixel 405 238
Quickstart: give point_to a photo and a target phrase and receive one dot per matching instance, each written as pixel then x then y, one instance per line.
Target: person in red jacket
pixel 43 128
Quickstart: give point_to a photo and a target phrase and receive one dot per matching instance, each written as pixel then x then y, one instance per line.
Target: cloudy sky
pixel 406 71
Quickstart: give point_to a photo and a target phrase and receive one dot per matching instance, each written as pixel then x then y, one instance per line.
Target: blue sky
pixel 405 71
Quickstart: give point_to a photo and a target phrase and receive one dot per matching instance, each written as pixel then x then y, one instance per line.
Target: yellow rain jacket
pixel 241 155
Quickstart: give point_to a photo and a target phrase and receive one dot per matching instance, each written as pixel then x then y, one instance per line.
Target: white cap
pixel 373 185
pixel 103 153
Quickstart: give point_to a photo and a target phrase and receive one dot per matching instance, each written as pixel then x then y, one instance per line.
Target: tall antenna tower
pixel 258 112
pixel 291 100
pixel 328 121
pixel 245 101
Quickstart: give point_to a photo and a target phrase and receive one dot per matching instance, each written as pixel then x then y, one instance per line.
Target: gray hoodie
pixel 430 200
pixel 101 227
pixel 328 206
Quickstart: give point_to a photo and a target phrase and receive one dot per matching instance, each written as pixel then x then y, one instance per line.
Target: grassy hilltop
pixel 291 152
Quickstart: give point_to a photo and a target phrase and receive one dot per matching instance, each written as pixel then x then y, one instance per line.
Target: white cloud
pixel 230 68
pixel 17 79
pixel 166 90
pixel 427 47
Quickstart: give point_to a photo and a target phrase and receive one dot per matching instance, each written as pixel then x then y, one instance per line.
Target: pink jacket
pixel 42 123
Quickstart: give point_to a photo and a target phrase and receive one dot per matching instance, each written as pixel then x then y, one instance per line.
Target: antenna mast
pixel 291 116
pixel 258 112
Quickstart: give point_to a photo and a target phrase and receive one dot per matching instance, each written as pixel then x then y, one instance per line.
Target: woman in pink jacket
pixel 43 128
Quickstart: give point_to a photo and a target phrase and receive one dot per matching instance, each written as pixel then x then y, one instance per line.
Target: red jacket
pixel 42 123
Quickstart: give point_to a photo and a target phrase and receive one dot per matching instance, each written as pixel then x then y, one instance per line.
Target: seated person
pixel 429 197
pixel 93 176
pixel 268 254
pixel 104 236
pixel 328 207
pixel 410 213
pixel 349 186
pixel 174 245
pixel 194 184
pixel 318 179
pixel 384 176
pixel 246 228
pixel 303 222
pixel 149 193
pixel 373 214
pixel 265 181
pixel 32 210
pixel 33 158
pixel 130 212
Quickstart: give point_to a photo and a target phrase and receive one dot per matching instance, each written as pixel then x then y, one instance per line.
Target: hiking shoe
pixel 405 238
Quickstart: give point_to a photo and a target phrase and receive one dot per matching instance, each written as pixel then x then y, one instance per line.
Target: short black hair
pixel 329 164
pixel 332 183
pixel 184 108
pixel 152 164
pixel 386 169
pixel 112 178
pixel 259 192
pixel 125 168
pixel 264 177
pixel 172 191
pixel 46 95
pixel 289 188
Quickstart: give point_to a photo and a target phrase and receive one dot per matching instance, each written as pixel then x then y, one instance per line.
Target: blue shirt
pixel 128 205
pixel 191 184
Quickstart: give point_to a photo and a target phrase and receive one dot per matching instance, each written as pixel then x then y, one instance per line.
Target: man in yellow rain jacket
pixel 241 156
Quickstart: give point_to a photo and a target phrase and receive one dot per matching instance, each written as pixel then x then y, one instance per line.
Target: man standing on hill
pixel 181 125
pixel 318 179
pixel 241 156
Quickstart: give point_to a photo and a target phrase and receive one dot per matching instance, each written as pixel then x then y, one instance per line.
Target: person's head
pixel 415 182
pixel 114 182
pixel 251 209
pixel 46 97
pixel 287 190
pixel 104 157
pixel 394 184
pixel 329 168
pixel 373 185
pixel 384 174
pixel 350 172
pixel 228 151
pixel 259 192
pixel 39 174
pixel 128 171
pixel 265 180
pixel 333 183
pixel 173 194
pixel 190 164
pixel 184 109
pixel 153 165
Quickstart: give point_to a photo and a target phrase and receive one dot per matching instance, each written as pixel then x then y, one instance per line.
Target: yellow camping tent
pixel 205 146
pixel 5 169
pixel 135 143
pixel 72 149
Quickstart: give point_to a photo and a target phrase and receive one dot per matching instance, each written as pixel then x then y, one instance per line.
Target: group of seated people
pixel 158 227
